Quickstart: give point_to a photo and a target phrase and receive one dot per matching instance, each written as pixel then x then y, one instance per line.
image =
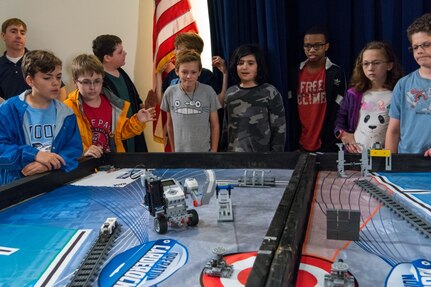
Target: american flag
pixel 171 17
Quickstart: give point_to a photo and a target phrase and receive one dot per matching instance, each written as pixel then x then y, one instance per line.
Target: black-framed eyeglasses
pixel 89 83
pixel 373 63
pixel 424 46
pixel 316 46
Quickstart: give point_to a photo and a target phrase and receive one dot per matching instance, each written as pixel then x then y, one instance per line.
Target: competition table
pixel 290 222
pixel 393 247
pixel 59 215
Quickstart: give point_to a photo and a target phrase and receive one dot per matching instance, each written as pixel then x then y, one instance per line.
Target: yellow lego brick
pixel 380 153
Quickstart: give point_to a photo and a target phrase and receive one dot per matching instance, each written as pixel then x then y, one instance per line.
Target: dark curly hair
pixel 421 24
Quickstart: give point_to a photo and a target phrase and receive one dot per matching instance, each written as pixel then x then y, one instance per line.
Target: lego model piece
pixel 87 272
pixel 366 161
pixel 255 178
pixel 342 224
pixel 209 186
pixel 339 277
pixel 108 228
pixel 341 162
pixel 201 197
pixel 165 200
pixel 224 202
pixel 217 266
pixel 378 151
pixel 136 173
pixel 191 187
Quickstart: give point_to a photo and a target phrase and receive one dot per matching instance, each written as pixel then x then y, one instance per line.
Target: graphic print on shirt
pixel 42 136
pixel 188 107
pixel 312 105
pixel 100 119
pixel 419 100
pixel 312 92
pixel 41 127
pixel 100 132
pixel 373 118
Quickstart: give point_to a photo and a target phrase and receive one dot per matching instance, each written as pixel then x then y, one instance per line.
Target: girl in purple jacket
pixel 363 118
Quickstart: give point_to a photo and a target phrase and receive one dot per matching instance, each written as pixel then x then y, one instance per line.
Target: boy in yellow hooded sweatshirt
pixel 101 115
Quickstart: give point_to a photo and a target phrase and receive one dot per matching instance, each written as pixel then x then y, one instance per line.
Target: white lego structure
pixel 108 228
pixel 191 187
pixel 207 190
pixel 224 202
pixel 255 178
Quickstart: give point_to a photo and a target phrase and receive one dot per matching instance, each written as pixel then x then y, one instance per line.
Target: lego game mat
pixel 43 240
pixel 390 251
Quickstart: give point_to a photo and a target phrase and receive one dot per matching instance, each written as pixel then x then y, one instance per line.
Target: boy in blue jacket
pixel 38 133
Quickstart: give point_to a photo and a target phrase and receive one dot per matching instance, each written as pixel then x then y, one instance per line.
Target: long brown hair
pixel 361 83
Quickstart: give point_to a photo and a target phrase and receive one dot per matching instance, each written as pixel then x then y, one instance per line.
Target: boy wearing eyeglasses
pixel 315 96
pixel 38 133
pixel 102 116
pixel 410 112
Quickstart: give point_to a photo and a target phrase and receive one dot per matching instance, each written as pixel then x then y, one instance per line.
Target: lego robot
pixel 339 276
pixel 217 267
pixel 165 200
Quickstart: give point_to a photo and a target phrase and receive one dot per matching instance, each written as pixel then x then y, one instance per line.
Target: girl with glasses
pixel 363 116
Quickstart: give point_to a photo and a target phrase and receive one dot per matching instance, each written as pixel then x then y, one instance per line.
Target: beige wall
pixel 67 28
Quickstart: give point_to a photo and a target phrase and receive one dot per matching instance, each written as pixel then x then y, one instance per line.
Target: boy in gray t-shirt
pixel 191 107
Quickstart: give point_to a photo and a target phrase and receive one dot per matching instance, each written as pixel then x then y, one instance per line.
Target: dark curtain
pixel 278 26
pixel 251 21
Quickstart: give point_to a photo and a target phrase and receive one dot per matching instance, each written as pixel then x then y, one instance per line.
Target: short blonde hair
pixel 85 63
pixel 187 56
